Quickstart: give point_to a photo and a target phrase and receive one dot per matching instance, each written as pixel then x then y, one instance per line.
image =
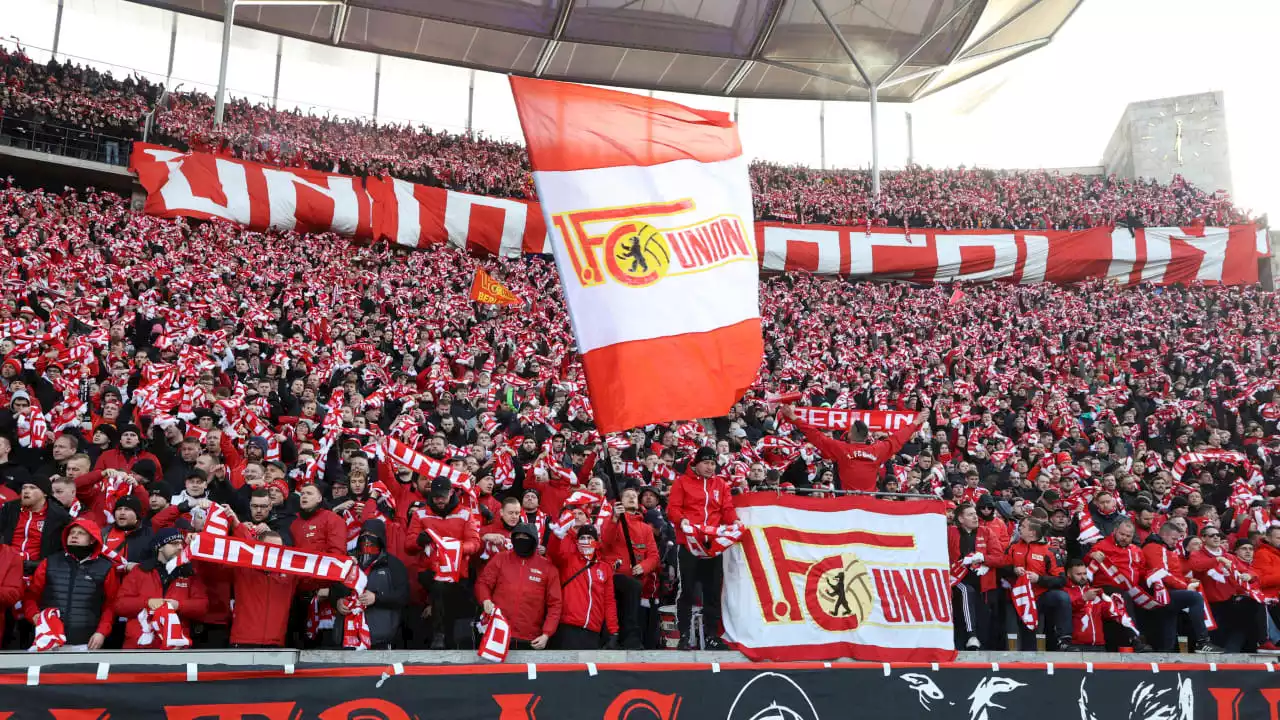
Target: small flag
pixel 484 289
pixel 956 297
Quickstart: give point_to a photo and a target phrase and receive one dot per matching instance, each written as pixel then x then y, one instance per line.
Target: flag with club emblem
pixel 484 289
pixel 649 211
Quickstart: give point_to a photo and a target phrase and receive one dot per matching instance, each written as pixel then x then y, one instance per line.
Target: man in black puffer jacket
pixel 387 591
pixel 80 583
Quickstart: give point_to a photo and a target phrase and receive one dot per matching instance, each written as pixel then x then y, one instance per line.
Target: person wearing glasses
pixel 1230 587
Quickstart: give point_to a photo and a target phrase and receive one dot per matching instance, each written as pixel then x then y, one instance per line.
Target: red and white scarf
pixel 50 635
pixel 1089 533
pixel 162 629
pixel 1023 595
pixel 446 554
pixel 708 541
pixel 1143 599
pixel 236 552
pixel 496 638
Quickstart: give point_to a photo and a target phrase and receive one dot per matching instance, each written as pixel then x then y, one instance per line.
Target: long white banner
pixel 821 579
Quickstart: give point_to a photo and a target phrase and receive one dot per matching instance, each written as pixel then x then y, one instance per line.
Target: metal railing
pixel 66 141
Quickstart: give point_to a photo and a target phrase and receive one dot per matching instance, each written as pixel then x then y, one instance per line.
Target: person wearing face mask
pixel 386 593
pixel 80 583
pixel 160 580
pixel 587 591
pixel 525 586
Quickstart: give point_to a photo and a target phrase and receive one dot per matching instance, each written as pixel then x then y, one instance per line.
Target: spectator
pixel 632 553
pixel 160 580
pixel 387 591
pixel 974 553
pixel 80 584
pixel 1165 566
pixel 1029 556
pixel 33 525
pixel 587 593
pixel 700 498
pixel 525 586
pixel 443 570
pixel 263 599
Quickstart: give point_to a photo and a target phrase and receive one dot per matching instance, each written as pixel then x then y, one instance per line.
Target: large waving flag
pixel 650 216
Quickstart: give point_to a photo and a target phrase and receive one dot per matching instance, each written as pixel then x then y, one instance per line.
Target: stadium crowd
pixel 1108 456
pixel 65 94
pixel 160 375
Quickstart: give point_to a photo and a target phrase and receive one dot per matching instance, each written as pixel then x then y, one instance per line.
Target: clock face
pixel 1181 140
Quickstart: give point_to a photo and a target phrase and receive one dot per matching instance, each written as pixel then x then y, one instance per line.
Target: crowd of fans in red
pixel 158 373
pixel 70 95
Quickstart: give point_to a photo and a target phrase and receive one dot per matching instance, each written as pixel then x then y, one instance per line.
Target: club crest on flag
pixel 839 593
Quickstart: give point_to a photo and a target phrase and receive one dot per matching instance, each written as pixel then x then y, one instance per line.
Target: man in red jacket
pixel 1226 581
pixel 586 588
pixel 260 617
pixel 442 570
pixel 633 555
pixel 974 554
pixel 858 463
pixel 1030 557
pixel 153 584
pixel 1164 564
pixel 525 586
pixel 700 498
pixel 316 528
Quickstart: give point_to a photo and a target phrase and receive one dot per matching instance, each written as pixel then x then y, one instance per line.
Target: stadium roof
pixel 793 49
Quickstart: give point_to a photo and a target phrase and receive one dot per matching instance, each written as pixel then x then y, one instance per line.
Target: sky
pixel 1056 107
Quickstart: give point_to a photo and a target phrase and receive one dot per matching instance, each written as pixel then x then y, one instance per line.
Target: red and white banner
pixel 652 217
pixel 1162 256
pixel 257 196
pixel 820 579
pixel 212 186
pixel 418 216
pixel 875 420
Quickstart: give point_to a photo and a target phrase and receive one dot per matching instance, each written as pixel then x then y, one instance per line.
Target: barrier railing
pixel 66 141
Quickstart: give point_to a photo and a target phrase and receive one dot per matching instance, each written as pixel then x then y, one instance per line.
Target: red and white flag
pixel 820 579
pixel 649 211
pixel 836 419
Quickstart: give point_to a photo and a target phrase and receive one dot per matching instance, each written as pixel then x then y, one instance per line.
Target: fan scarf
pixel 446 554
pixel 709 541
pixel 162 629
pixel 1211 456
pixel 875 420
pixel 235 552
pixel 1088 624
pixel 495 639
pixel 960 568
pixel 1023 595
pixel 1089 532
pixel 50 635
pixel 1139 595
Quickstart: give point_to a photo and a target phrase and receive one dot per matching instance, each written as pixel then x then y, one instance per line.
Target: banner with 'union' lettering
pixel 824 578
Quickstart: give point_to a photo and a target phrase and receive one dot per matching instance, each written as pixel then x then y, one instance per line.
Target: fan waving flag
pixel 484 289
pixel 650 217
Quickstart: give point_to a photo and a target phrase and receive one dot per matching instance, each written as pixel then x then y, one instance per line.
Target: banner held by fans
pixel 649 209
pixel 836 419
pixel 820 579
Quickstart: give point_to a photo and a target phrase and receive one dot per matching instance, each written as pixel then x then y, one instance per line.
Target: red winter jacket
pixel 587 593
pixel 10 581
pixel 1266 565
pixel 1086 617
pixel 117 460
pixel 261 612
pixel 142 584
pixel 858 465
pixel 701 501
pixel 1217 580
pixel 1128 560
pixel 1039 559
pixel 456 522
pixel 527 590
pixel 323 532
pixel 1163 564
pixel 613 544
pixel 985 543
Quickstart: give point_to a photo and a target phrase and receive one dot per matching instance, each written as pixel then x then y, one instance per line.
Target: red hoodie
pixel 110 586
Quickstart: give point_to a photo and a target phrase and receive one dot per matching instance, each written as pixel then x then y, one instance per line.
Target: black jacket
pixel 389 582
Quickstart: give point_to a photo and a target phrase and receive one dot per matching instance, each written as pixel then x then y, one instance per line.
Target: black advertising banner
pixel 962 691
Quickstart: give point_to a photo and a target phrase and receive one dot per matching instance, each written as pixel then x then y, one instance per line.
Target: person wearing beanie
pixel 586 589
pixel 633 558
pixel 154 583
pixel 128 452
pixel 700 497
pixel 159 493
pixel 525 586
pixel 34 523
pixel 441 575
pixel 13 474
pixel 129 533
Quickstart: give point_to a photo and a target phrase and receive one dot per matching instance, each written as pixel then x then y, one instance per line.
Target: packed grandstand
pixel 160 375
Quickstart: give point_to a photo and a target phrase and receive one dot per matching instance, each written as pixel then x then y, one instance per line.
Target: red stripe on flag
pixel 1240 266
pixel 575 127
pixel 713 370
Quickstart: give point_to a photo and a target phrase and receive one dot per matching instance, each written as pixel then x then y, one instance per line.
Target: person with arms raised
pixel 858 463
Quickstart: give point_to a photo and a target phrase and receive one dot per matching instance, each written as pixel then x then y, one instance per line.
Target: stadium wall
pixel 1145 141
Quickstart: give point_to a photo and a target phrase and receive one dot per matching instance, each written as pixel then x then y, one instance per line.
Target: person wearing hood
pixel 525 586
pixel 386 593
pixel 442 576
pixel 81 583
pixel 1106 514
pixel 587 594
pixel 128 452
pixel 160 580
pixel 33 525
